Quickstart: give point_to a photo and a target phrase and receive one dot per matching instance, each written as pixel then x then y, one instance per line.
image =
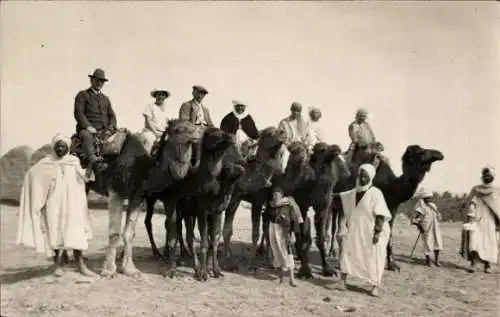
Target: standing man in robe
pixel 297 127
pixel 95 118
pixel 480 236
pixel 362 137
pixel 364 231
pixel 53 213
pixel 427 219
pixel 195 112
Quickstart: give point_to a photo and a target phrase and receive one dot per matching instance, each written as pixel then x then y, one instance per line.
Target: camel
pixel 310 179
pixel 125 178
pixel 270 160
pixel 416 163
pixel 263 166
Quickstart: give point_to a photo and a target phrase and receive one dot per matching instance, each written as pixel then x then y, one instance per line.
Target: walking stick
pixel 415 245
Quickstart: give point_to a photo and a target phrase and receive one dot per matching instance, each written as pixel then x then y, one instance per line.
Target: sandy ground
pixel 29 289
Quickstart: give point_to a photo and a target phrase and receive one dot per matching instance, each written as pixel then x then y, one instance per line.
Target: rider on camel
pixel 156 116
pixel 362 136
pixel 95 118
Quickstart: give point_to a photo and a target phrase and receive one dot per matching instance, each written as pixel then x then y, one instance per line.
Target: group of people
pixel 54 217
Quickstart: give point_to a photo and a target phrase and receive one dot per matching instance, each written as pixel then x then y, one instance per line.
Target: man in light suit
pixel 195 112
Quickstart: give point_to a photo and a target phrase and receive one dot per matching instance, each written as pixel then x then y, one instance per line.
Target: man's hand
pixel 375 238
pixel 91 129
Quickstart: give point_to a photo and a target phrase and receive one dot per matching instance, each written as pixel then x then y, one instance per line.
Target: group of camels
pixel 198 192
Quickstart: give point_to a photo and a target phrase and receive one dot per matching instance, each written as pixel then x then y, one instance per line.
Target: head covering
pixel 99 74
pixel 370 170
pixel 59 137
pixel 427 193
pixel 314 109
pixel 296 106
pixel 238 103
pixel 200 89
pixel 489 169
pixel 155 91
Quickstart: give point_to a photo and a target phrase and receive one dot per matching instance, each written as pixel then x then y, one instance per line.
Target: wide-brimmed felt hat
pixel 200 89
pixel 99 74
pixel 155 91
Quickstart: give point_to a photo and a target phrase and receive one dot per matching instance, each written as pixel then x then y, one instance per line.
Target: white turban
pixel 59 137
pixel 237 102
pixel 490 169
pixel 371 171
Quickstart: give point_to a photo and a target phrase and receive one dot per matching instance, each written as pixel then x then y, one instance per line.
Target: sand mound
pixel 40 154
pixel 13 166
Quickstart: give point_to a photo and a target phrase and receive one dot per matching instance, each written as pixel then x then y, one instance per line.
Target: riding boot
pixel 59 263
pixel 436 258
pixel 428 260
pixel 80 264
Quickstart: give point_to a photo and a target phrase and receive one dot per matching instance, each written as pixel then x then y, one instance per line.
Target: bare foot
pixel 374 291
pixel 58 271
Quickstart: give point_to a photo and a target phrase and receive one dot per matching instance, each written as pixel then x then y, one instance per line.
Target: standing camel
pixel 126 178
pixel 416 162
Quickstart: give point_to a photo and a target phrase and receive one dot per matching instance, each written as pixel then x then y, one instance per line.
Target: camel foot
pixel 58 271
pixel 392 266
pixel 85 271
pixel 109 269
pixel 217 273
pixel 203 276
pixel 131 271
pixel 328 271
pixel 261 250
pixel 157 255
pixel 304 274
pixel 342 286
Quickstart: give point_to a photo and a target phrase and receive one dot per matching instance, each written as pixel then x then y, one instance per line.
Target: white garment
pixel 483 237
pixel 279 240
pixel 53 211
pixel 148 139
pixel 158 115
pixel 360 257
pixel 316 133
pixel 240 135
pixel 431 236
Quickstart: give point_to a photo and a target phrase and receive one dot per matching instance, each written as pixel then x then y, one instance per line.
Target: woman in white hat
pixel 156 116
pixel 427 219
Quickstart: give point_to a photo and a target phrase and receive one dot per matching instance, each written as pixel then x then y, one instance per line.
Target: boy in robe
pixel 53 213
pixel 480 236
pixel 364 231
pixel 285 219
pixel 427 219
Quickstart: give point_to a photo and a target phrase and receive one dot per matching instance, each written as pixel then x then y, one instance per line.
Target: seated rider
pixel 156 117
pixel 95 118
pixel 240 124
pixel 362 137
pixel 379 148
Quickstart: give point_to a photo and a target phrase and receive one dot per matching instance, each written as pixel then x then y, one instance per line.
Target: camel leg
pixel 185 254
pixel 321 220
pixel 256 217
pixel 203 228
pixel 262 248
pixel 128 266
pixel 115 207
pixel 171 238
pixel 215 222
pixel 335 223
pixel 391 264
pixel 304 242
pixel 189 221
pixel 150 202
pixel 227 233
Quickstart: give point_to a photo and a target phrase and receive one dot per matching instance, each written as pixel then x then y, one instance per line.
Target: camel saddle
pixel 104 146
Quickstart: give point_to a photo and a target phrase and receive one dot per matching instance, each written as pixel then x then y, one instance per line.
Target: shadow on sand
pixel 421 262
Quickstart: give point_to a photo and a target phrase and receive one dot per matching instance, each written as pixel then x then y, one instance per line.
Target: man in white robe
pixel 364 231
pixel 427 219
pixel 53 213
pixel 296 127
pixel 480 236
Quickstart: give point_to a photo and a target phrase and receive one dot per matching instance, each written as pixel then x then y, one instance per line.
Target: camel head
pixel 272 150
pixel 417 161
pixel 324 155
pixel 214 145
pixel 298 153
pixel 182 132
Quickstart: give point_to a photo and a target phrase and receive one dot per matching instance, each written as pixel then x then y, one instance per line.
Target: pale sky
pixel 428 72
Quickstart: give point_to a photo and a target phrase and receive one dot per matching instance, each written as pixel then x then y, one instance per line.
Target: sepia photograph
pixel 249 158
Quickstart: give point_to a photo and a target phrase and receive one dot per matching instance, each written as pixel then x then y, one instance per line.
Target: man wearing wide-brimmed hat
pixel 195 112
pixel 156 116
pixel 95 117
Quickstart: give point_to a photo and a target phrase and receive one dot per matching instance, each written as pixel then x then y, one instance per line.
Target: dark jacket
pixel 94 110
pixel 230 124
pixel 186 113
